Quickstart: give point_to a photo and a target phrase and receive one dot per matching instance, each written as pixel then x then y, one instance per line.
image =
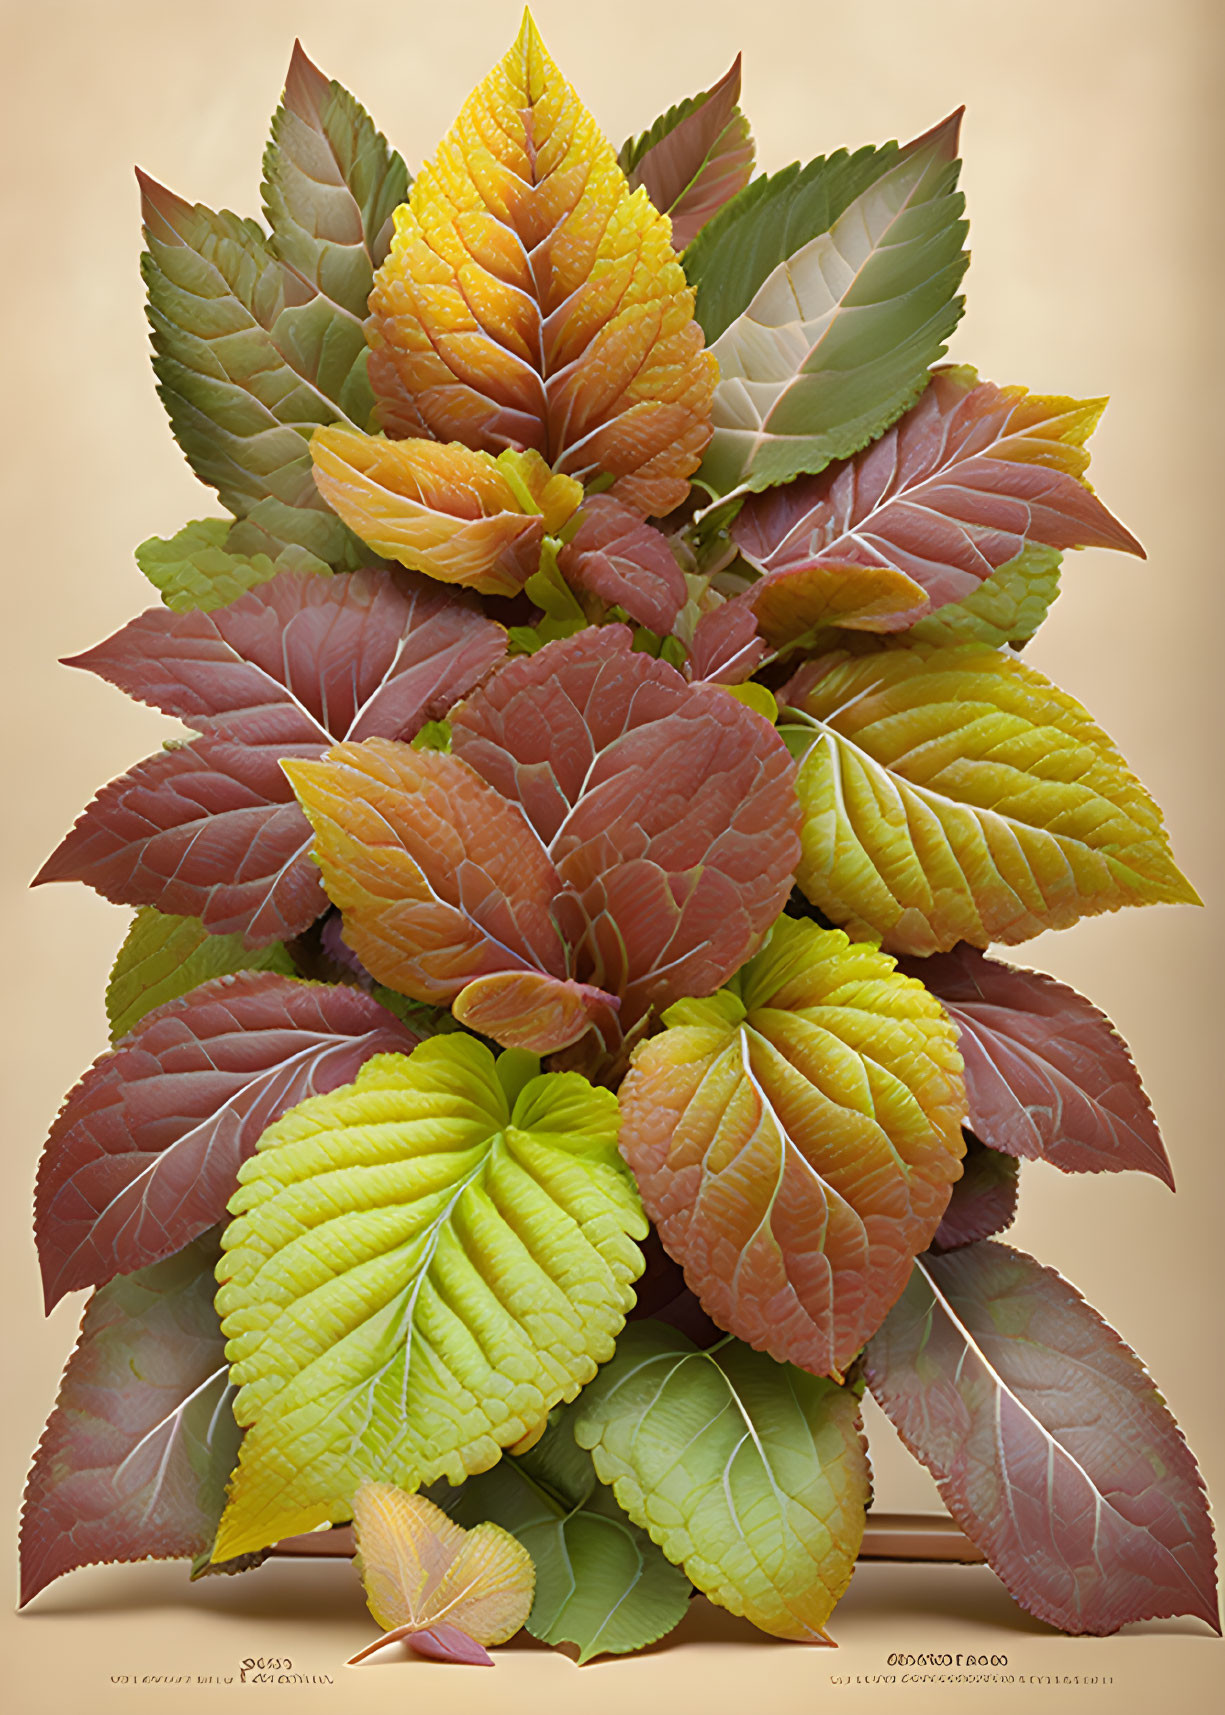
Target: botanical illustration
pixel 566 1048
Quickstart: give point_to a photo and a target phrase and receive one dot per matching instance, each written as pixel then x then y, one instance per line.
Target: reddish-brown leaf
pixel 1052 1448
pixel 211 830
pixel 134 1460
pixel 144 1155
pixel 726 647
pixel 625 562
pixel 953 491
pixel 693 166
pixel 1047 1076
pixel 984 1199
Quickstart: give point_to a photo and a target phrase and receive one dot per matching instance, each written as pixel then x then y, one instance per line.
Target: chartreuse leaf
pixel 954 794
pixel 249 360
pixel 331 182
pixel 420 1267
pixel 601 1583
pixel 1007 607
pixel 447 1591
pixel 164 957
pixel 197 569
pixel 750 1474
pixel 862 257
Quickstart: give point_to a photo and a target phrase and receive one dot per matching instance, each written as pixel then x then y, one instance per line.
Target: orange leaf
pixel 527 1009
pixel 531 300
pixel 862 598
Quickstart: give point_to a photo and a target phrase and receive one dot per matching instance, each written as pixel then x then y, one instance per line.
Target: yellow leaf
pixel 420 1570
pixel 531 300
pixel 954 794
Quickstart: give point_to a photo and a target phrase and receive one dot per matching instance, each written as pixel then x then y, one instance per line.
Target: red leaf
pixel 1047 1076
pixel 625 562
pixel 135 1457
pixel 726 647
pixel 700 163
pixel 211 830
pixel 949 494
pixel 1052 1448
pixel 984 1199
pixel 668 809
pixel 144 1154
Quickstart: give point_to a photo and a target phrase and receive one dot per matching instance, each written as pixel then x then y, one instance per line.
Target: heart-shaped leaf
pixel 695 158
pixel 146 1148
pixel 1052 1448
pixel 751 1475
pixel 421 1265
pixel 957 795
pixel 795 1138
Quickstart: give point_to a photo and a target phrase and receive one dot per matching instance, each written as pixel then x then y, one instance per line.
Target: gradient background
pixel 1092 169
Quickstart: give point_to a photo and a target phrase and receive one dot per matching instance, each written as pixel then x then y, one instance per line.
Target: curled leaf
pixel 695 157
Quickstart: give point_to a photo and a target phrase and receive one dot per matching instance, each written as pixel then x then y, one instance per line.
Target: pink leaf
pixel 1052 1448
pixel 701 162
pixel 211 829
pixel 135 1457
pixel 984 1199
pixel 726 647
pixel 626 563
pixel 447 1643
pixel 1046 1074
pixel 144 1155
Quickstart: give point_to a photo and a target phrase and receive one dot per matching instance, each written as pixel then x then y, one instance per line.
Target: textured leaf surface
pixel 425 1574
pixel 145 1150
pixel 984 1200
pixel 1007 607
pixel 331 183
pixel 624 562
pixel 164 957
pixel 959 487
pixel 726 648
pixel 134 1459
pixel 751 1475
pixel 460 516
pixel 1052 1448
pixel 249 359
pixel 791 604
pixel 196 567
pixel 530 301
pixel 795 1139
pixel 838 333
pixel 420 1267
pixel 1047 1075
pixel 695 158
pixel 211 830
pixel 601 1583
pixel 957 795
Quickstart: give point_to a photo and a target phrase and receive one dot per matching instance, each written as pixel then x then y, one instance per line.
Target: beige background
pixel 1092 174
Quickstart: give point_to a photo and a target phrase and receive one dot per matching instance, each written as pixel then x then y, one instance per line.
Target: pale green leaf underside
pixel 1007 607
pixel 749 1474
pixel 601 1583
pixel 839 338
pixel 164 957
pixel 420 1266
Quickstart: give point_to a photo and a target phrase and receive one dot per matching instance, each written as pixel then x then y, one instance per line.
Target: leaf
pixel 459 516
pixel 331 184
pixel 726 648
pixel 1052 1448
pixel 164 957
pixel 530 301
pixel 249 359
pixel 1047 1075
pixel 984 1200
pixel 601 1583
pixel 795 1138
pixel 791 604
pixel 969 478
pixel 211 830
pixel 421 1265
pixel 196 569
pixel 751 1475
pixel 839 334
pixel 955 794
pixel 695 158
pixel 143 1155
pixel 616 557
pixel 134 1459
pixel 1007 607
pixel 426 1578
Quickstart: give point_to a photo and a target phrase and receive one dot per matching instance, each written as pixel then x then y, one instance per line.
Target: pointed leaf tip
pixel 306 86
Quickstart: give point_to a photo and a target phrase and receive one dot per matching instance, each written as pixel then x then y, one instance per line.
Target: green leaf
pixel 331 182
pixel 750 1474
pixel 250 359
pixel 197 569
pixel 601 1583
pixel 164 957
pixel 421 1265
pixel 826 299
pixel 1008 607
